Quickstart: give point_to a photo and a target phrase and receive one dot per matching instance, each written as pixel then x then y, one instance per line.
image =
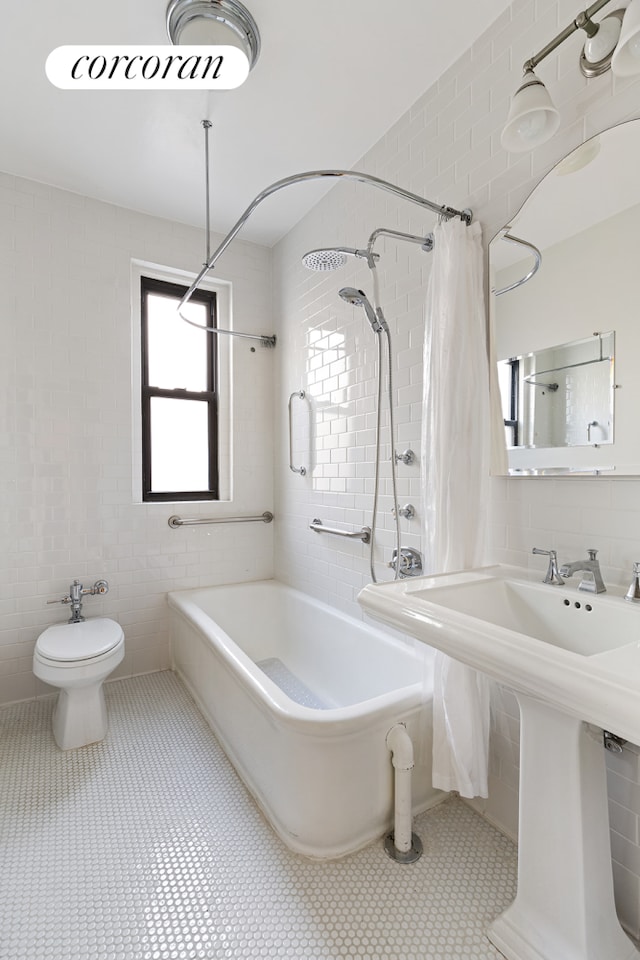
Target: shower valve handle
pixel 410 563
pixel 406 457
pixel 408 511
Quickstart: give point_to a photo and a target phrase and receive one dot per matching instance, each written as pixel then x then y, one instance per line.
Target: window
pixel 509 379
pixel 179 395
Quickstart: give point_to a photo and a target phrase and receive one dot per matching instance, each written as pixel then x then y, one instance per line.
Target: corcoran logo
pixel 147 67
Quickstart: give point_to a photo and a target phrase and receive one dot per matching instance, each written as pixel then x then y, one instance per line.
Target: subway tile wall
pixel 66 428
pixel 446 148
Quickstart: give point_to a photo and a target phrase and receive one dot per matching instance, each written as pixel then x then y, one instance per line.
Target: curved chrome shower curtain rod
pixel 442 210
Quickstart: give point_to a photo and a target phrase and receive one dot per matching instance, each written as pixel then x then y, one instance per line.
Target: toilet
pixel 77 658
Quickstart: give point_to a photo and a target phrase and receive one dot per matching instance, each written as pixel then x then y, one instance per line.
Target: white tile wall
pixel 66 427
pixel 447 149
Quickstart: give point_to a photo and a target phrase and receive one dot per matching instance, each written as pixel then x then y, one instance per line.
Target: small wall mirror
pixel 567 338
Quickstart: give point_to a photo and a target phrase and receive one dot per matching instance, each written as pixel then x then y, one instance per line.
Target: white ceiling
pixel 332 77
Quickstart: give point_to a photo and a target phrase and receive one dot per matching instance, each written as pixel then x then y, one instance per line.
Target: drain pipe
pixel 402 845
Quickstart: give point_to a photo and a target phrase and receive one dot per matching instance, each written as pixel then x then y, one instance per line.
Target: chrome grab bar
pixel 176 522
pixel 301 470
pixel 364 534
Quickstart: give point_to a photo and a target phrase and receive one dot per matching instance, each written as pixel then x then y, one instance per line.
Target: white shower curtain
pixel 455 463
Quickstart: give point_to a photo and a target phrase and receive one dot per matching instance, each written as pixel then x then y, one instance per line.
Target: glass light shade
pixel 532 119
pixel 626 59
pixel 603 43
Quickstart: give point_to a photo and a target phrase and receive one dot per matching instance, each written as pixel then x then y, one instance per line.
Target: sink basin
pixel 586 624
pixel 570 657
pixel 578 651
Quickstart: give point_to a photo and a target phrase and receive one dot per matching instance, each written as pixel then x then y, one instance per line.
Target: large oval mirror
pixel 564 315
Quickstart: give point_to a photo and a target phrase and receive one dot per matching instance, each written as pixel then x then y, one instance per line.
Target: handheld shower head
pixel 332 258
pixel 358 298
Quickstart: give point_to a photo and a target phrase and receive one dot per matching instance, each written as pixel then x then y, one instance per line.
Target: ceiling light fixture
pixel 214 23
pixel 613 43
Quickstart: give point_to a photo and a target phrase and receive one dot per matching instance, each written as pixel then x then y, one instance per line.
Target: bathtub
pixel 301 698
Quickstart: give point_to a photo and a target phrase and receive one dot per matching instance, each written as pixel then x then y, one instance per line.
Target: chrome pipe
pixel 207 204
pixel 534 269
pixel 175 522
pixel 266 341
pixel 425 242
pixel 441 209
pixel 581 22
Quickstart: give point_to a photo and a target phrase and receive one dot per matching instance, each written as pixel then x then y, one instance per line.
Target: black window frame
pixel 150 285
pixel 512 422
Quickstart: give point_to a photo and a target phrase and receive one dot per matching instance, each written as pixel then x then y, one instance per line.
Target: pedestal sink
pixel 572 659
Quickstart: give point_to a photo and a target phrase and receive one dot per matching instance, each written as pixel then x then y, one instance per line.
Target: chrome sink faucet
pixel 552 575
pixel 592 582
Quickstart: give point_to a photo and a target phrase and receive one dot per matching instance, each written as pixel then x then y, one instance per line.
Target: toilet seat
pixel 77 642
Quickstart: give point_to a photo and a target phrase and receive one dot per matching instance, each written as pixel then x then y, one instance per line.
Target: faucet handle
pixel 552 575
pixel 100 586
pixel 592 554
pixel 409 564
pixel 633 593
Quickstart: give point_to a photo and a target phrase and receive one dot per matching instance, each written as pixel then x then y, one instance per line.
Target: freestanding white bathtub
pixel 301 698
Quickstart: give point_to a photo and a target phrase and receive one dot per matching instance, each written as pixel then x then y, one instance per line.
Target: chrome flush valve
pixel 76 593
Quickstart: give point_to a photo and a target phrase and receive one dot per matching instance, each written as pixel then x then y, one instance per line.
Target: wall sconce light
pixel 614 44
pixel 626 56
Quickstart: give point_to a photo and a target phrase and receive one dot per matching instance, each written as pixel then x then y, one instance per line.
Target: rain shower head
pixel 332 258
pixel 358 298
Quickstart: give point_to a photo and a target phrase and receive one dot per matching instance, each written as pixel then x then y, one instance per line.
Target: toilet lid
pixel 79 641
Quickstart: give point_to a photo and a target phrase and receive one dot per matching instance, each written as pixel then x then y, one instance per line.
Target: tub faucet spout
pixel 592 581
